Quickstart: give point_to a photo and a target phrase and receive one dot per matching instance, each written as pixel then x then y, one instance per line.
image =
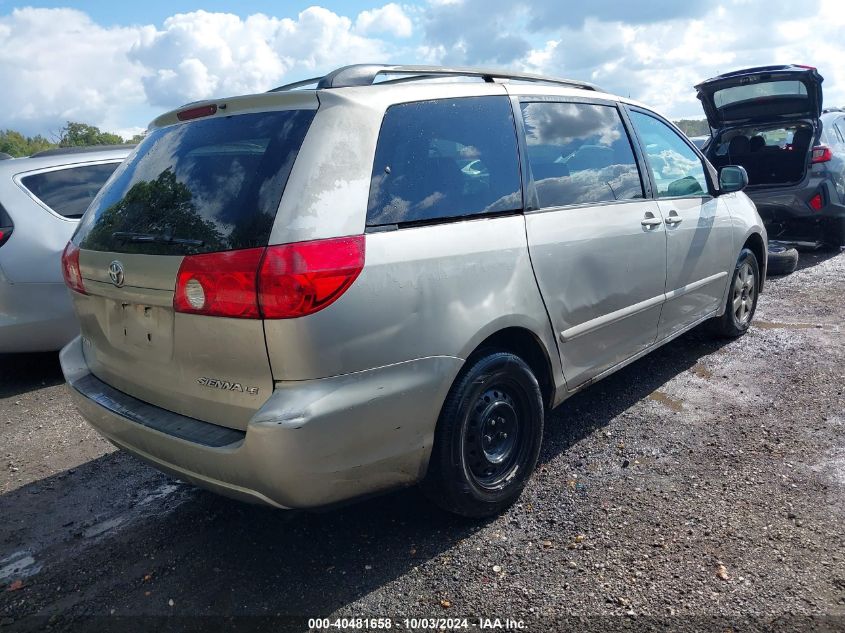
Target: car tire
pixel 782 260
pixel 743 292
pixel 477 469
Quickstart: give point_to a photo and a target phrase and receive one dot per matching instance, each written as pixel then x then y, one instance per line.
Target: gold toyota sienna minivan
pixel 386 276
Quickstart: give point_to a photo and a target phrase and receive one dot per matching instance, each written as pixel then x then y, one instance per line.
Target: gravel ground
pixel 701 487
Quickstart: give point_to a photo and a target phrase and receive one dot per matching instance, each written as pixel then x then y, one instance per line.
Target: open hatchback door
pixel 762 94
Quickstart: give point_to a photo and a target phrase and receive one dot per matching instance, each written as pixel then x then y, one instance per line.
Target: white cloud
pixel 200 54
pixel 58 64
pixel 656 60
pixel 388 19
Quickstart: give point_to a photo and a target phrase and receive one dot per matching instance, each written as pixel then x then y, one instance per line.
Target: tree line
pixel 76 134
pixel 693 127
pixel 73 134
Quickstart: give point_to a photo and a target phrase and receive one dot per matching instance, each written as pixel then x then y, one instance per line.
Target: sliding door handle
pixel 674 219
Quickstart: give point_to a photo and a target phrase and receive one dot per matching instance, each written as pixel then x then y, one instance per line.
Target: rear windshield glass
pixel 208 185
pixel 69 191
pixel 765 89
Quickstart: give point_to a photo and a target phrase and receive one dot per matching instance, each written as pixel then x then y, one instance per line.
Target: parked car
pixel 770 120
pixel 41 200
pixel 700 141
pixel 305 296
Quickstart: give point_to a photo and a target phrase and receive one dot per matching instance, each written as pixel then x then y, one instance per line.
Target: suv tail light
pixel 821 154
pixel 5 234
pixel 70 268
pixel 277 282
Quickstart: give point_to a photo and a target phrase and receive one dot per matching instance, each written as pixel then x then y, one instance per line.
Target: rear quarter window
pixel 70 190
pixel 445 159
pixel 209 185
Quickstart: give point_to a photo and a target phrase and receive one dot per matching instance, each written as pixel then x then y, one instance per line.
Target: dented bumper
pixel 313 443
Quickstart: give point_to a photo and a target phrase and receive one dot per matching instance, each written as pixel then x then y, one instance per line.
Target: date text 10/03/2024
pixel 416 624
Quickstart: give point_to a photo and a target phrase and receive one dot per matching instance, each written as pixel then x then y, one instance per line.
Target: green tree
pixel 81 134
pixel 693 127
pixel 16 144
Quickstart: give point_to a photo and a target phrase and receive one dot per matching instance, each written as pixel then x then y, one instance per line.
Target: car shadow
pixel 809 258
pixel 111 528
pixel 20 373
pixel 211 556
pixel 596 406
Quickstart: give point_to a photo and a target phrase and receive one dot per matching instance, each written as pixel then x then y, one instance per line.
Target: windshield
pixel 208 185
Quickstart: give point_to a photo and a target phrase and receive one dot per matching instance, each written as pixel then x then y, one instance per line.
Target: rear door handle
pixel 674 219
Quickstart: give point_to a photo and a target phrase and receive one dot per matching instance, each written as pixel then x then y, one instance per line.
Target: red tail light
pixel 70 268
pixel 219 284
pixel 816 202
pixel 300 279
pixel 821 154
pixel 5 234
pixel 277 282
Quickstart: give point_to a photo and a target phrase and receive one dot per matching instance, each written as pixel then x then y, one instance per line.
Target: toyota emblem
pixel 116 273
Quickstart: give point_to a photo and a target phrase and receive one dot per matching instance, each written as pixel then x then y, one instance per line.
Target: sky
pixel 117 65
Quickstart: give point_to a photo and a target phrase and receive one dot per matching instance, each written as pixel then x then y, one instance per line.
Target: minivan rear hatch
pixel 204 188
pixel 762 94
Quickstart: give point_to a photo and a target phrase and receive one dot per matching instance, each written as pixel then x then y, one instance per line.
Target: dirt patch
pixel 771 325
pixel 666 400
pixel 727 500
pixel 701 371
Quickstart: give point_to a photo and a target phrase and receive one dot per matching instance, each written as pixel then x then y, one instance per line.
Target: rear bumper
pixel 787 214
pixel 313 443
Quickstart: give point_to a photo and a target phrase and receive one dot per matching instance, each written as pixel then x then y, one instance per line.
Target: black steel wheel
pixel 488 436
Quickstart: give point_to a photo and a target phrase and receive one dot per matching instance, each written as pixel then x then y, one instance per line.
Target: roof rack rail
pixel 296 84
pixel 59 151
pixel 366 74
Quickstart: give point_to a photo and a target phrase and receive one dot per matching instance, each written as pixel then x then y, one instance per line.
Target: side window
pixel 579 153
pixel 676 168
pixel 69 191
pixel 447 158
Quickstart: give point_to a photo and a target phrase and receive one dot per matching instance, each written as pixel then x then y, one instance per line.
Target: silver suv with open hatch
pixel 314 294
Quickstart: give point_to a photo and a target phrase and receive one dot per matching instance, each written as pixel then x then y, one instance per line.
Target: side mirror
pixel 732 178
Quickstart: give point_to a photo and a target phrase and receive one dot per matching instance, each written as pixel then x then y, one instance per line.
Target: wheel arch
pixel 754 242
pixel 524 343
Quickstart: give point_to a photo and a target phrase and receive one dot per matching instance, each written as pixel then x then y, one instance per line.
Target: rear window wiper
pixel 154 238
